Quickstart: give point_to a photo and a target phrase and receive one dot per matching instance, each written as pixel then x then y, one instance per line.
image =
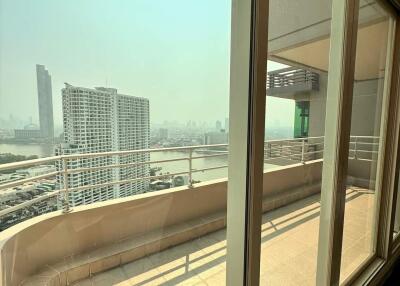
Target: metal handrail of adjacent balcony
pixel 298 150
pixel 290 76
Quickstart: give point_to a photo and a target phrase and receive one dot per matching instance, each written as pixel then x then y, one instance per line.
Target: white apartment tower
pixel 101 120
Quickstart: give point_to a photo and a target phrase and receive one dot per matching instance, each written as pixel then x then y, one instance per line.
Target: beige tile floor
pixel 288 250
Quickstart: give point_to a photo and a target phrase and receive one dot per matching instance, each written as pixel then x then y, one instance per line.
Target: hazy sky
pixel 175 52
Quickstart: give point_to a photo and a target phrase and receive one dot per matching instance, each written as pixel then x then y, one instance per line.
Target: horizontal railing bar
pixel 114 166
pixel 314 152
pixel 208 169
pixel 292 156
pixel 117 166
pixel 365 143
pixel 284 148
pixel 297 73
pixel 77 189
pixel 364 136
pixel 290 82
pixel 26 163
pixel 128 152
pixel 362 159
pixel 278 82
pixel 27 180
pixel 314 144
pixel 288 69
pixel 278 152
pixel 362 151
pixel 209 156
pixel 292 139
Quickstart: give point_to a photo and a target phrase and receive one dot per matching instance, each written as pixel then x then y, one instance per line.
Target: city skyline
pixel 189 75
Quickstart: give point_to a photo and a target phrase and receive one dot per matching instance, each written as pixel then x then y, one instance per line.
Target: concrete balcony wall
pixel 318 108
pixel 365 119
pixel 367 105
pixel 52 238
pixel 362 173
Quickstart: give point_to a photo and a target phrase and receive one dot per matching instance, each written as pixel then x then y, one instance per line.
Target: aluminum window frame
pixel 249 49
pixel 330 246
pixel 385 167
pixel 394 241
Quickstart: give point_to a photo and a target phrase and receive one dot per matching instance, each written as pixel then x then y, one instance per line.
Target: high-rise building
pixel 163 133
pixel 45 102
pixel 101 120
pixel 218 125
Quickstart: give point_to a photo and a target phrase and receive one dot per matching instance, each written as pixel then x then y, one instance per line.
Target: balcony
pixel 288 82
pixel 164 238
pixel 202 261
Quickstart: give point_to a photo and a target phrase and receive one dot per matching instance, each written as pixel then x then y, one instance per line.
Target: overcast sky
pixel 175 52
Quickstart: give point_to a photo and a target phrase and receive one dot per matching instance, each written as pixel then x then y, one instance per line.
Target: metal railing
pixel 288 77
pixel 276 152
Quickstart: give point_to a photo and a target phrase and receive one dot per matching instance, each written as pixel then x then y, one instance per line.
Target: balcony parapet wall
pixel 31 246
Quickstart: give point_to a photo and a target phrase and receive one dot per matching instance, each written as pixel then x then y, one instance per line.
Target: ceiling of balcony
pixel 371 52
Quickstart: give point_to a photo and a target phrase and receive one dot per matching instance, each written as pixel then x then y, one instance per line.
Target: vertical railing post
pixel 355 148
pixel 66 207
pixel 265 151
pixel 270 150
pixel 190 168
pixel 303 142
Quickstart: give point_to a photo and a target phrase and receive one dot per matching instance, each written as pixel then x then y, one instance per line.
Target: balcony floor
pixel 288 257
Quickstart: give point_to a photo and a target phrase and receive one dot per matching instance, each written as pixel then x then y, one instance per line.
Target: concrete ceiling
pixel 370 56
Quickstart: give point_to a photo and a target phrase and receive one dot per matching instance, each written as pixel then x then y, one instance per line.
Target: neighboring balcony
pixel 288 82
pixel 177 235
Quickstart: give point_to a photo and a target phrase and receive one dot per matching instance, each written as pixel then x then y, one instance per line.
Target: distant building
pixel 101 120
pixel 30 131
pixel 227 124
pixel 37 170
pixel 163 133
pixel 218 125
pixel 6 133
pixel 220 137
pixel 23 193
pixel 45 102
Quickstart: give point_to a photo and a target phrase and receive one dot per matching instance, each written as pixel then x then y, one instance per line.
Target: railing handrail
pixel 291 76
pixel 33 162
pixel 129 152
pixel 286 70
pixel 25 163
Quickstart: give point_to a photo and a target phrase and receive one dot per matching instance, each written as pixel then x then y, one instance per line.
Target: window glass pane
pixel 365 138
pixel 101 82
pixel 299 38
